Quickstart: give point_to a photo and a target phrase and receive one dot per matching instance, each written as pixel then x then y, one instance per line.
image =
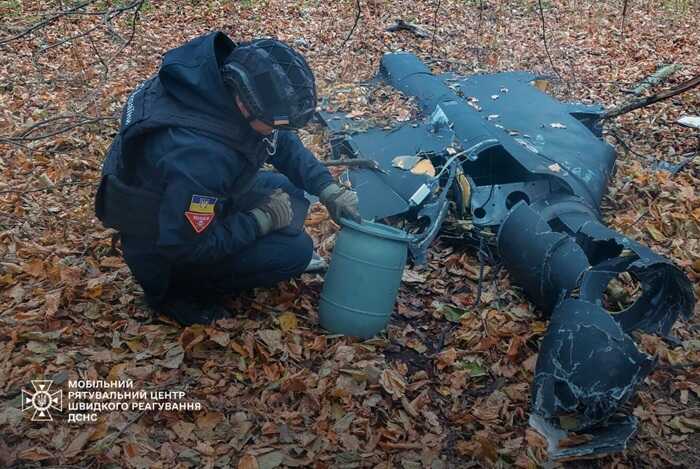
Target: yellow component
pixel 542 85
pixel 424 167
pixel 465 191
pixel 201 208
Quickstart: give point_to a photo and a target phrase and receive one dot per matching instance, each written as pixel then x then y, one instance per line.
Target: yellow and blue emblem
pixel 202 204
pixel 201 212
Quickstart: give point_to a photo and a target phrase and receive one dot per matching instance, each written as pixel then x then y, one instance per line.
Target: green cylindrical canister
pixel 363 278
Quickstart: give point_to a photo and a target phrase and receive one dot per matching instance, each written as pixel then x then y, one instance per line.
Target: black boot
pixel 191 310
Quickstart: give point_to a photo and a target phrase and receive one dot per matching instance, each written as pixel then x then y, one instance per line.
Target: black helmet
pixel 273 81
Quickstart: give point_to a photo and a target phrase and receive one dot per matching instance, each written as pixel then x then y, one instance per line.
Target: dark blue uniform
pixel 184 143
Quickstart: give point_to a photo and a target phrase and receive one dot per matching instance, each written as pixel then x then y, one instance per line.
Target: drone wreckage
pixel 521 164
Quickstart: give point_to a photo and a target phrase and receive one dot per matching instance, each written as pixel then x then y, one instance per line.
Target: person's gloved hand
pixel 274 213
pixel 340 202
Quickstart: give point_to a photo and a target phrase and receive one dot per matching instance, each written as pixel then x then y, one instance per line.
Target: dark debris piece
pixel 587 367
pixel 612 437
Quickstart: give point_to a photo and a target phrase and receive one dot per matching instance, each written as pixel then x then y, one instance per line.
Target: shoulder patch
pixel 199 221
pixel 202 204
pixel 201 212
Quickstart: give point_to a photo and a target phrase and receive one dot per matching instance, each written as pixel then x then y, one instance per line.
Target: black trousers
pixel 276 257
pixel 279 256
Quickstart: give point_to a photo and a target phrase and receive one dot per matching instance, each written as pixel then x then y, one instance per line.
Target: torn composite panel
pixel 503 165
pixel 588 365
pixel 521 143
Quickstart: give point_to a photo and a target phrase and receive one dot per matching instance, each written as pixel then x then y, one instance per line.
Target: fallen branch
pixel 435 15
pixel 544 40
pixel 639 103
pixel 46 22
pixel 401 25
pixel 358 13
pixel 27 134
pixel 134 20
pixel 48 187
pixel 658 77
pixel 624 15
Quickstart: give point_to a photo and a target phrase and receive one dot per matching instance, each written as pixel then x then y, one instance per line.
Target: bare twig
pixel 639 103
pixel 105 65
pixel 544 40
pixel 478 32
pixel 45 123
pixel 358 13
pixel 46 188
pixel 7 141
pixel 624 144
pixel 401 25
pixel 624 15
pixel 134 20
pixel 435 15
pixel 26 137
pixel 109 15
pixel 69 39
pixel 46 22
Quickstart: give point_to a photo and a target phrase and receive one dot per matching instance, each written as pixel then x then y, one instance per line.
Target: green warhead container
pixel 363 279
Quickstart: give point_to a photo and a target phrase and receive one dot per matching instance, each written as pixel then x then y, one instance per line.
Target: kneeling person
pixel 182 180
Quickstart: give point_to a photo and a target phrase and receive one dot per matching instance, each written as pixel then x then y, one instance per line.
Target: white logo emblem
pixel 42 401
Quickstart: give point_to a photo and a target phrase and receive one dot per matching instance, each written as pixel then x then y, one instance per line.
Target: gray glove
pixel 340 202
pixel 274 213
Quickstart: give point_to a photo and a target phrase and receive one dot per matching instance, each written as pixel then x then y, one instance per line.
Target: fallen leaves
pixel 272 338
pixel 451 382
pixel 248 461
pixel 35 454
pixel 393 383
pixel 78 443
pixel 288 321
pixel 51 303
pixel 173 357
pixel 35 268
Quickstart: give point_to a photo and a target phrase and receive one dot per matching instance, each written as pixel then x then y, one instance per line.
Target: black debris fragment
pixel 572 388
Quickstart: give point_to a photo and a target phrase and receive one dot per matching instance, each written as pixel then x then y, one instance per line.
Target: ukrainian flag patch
pixel 201 212
pixel 202 204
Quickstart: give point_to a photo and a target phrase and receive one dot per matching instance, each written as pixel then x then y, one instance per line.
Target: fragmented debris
pixel 424 166
pixel 405 162
pixel 611 437
pixel 690 121
pixel 541 190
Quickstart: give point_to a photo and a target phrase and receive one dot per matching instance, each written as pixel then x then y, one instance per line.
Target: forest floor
pixel 448 384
